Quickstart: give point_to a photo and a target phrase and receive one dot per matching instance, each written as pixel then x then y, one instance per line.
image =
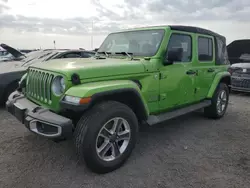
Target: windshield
pixel 138 43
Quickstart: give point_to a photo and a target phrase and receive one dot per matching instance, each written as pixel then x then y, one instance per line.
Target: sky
pixel 86 23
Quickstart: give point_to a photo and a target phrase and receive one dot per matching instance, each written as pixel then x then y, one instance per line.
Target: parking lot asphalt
pixel 190 151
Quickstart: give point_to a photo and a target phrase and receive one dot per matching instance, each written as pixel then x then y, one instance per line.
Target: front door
pixel 178 80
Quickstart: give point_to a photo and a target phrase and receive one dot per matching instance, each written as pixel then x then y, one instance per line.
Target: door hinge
pixel 161 76
pixel 162 96
pixel 196 90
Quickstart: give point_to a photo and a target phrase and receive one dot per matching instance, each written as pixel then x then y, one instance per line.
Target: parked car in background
pixel 13 54
pixel 237 49
pixel 3 53
pixel 239 57
pixel 5 56
pixel 10 76
pixel 241 75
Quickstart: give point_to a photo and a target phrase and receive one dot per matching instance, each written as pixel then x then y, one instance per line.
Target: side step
pixel 154 119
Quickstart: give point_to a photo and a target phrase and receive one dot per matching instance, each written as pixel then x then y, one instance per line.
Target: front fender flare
pixel 102 88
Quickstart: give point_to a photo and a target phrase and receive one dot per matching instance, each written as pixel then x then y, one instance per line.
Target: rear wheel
pixel 219 102
pixel 105 136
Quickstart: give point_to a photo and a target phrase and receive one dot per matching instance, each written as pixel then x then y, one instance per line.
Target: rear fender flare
pixel 217 79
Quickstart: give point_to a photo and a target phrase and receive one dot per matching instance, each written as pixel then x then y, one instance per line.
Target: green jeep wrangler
pixel 144 75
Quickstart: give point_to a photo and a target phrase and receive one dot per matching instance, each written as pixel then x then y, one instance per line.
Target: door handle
pixel 191 72
pixel 210 70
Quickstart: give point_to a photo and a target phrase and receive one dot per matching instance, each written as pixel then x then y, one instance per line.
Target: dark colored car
pixel 9 77
pixel 239 57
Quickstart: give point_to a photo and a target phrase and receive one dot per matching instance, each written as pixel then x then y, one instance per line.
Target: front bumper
pixel 37 119
pixel 240 84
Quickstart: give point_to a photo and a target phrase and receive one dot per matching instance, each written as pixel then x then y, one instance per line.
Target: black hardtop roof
pixel 185 28
pixel 193 29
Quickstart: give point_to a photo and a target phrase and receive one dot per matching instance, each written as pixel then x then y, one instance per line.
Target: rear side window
pixel 222 54
pixel 205 49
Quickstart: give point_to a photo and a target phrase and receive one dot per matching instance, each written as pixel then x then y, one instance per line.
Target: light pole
pixel 92 27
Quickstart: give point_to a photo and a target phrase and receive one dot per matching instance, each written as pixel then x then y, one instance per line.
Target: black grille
pixel 241 82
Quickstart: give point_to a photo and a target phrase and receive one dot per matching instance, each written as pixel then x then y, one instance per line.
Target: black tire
pixel 212 111
pixel 87 130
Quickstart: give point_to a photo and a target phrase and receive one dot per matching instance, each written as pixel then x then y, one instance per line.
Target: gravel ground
pixel 190 151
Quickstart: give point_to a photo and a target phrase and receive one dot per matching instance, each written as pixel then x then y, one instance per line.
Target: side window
pixel 73 55
pixel 182 43
pixel 205 49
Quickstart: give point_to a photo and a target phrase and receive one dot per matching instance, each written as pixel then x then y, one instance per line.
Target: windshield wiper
pixel 103 52
pixel 129 54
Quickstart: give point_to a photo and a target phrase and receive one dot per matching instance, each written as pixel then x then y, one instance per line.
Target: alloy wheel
pixel 113 139
pixel 221 101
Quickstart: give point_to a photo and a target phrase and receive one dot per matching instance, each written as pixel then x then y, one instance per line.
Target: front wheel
pixel 106 135
pixel 219 102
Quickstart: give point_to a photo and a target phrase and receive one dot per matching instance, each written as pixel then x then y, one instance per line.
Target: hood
pixel 238 50
pixel 241 65
pixel 91 67
pixel 12 51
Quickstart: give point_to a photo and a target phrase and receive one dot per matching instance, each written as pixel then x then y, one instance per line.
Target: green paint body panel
pixel 163 87
pixel 89 89
pixel 216 81
pixel 93 68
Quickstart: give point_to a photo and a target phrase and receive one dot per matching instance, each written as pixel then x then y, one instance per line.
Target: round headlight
pixel 62 82
pixel 58 85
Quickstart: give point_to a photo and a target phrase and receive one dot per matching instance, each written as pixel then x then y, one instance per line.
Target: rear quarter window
pixel 222 54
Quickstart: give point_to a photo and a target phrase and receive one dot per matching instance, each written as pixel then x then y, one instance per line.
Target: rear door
pixel 205 65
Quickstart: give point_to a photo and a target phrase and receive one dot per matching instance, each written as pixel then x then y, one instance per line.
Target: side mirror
pixel 173 55
pixel 96 49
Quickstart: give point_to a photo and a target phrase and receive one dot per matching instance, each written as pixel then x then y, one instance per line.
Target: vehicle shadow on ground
pixel 63 155
pixel 163 147
pixel 46 154
pixel 238 93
